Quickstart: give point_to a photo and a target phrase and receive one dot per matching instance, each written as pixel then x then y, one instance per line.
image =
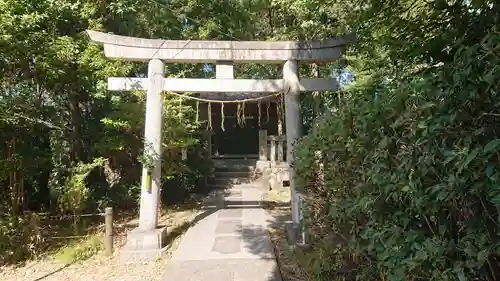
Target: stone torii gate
pixel 224 54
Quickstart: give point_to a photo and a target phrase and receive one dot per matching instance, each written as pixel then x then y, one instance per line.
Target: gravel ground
pixel 99 267
pixel 95 268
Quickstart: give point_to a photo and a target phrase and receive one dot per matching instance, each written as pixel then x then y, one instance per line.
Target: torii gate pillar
pixel 151 171
pixel 293 123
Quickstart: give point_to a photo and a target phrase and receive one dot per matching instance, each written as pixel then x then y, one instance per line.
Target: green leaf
pixel 383 143
pixel 490 169
pixel 492 146
pixel 483 255
pixel 470 157
pixel 460 275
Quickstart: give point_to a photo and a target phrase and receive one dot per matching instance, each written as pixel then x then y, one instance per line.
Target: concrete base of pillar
pixel 144 246
pixel 295 236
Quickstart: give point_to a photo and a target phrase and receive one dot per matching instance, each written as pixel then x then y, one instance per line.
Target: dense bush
pixel 411 186
pixel 20 237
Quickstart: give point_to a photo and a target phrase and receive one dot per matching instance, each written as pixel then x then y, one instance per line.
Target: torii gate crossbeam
pixel 181 85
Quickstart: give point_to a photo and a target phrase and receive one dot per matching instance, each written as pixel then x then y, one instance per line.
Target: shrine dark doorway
pixel 233 136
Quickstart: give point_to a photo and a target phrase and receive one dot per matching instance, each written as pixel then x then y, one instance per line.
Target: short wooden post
pixel 108 239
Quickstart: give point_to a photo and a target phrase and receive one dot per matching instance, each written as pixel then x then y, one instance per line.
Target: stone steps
pixel 234 163
pixel 230 172
pixel 229 180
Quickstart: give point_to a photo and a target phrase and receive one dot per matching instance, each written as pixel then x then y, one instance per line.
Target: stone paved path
pixel 229 243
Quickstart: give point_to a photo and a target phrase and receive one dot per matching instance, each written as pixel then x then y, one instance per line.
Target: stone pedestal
pixel 262 165
pixel 274 183
pixel 295 236
pixel 144 245
pixel 296 233
pixel 277 175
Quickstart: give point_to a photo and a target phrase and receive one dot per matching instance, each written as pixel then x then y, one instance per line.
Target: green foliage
pixel 20 237
pixel 75 193
pixel 76 144
pixel 410 188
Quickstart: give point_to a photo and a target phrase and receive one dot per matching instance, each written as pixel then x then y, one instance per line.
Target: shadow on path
pixel 55 271
pixel 238 247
